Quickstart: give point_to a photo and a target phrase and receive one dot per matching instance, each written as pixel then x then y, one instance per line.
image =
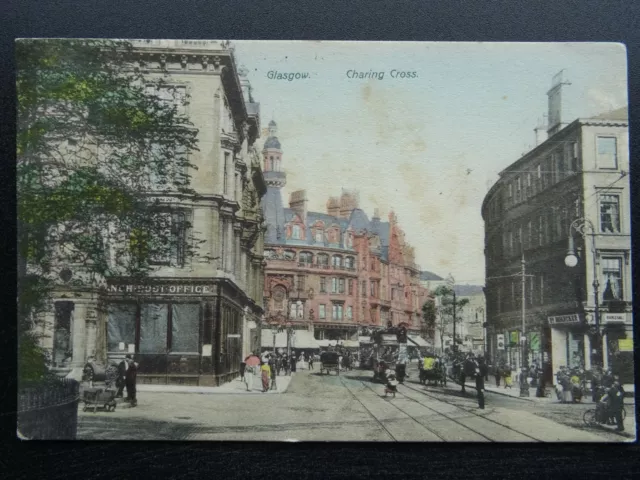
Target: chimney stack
pixel 333 206
pixel 298 203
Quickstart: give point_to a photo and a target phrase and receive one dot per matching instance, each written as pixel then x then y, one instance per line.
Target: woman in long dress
pixel 266 376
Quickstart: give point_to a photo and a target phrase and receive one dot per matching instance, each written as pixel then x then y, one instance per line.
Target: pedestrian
pixel 243 367
pixel 272 367
pixel 248 377
pixel 293 362
pixel 506 371
pixel 615 403
pixel 311 362
pixel 266 376
pixel 130 380
pixel 481 373
pixel 121 378
pixel 498 375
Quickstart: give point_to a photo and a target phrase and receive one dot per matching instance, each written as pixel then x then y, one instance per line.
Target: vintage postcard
pixel 305 240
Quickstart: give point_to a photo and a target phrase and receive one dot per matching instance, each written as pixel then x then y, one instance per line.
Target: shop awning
pixel 419 340
pixel 304 339
pixel 351 344
pixel 323 343
pixel 364 339
pixel 267 339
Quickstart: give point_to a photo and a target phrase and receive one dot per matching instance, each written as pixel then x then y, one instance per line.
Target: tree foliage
pixel 441 317
pixel 99 152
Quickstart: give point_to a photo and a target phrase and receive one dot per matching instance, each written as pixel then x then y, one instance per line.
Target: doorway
pixel 63 334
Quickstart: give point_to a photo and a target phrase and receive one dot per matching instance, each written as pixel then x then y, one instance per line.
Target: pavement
pixel 348 407
pixel 514 391
pixel 236 386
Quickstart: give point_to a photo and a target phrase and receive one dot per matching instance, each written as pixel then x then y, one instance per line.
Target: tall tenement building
pixel 574 179
pixel 196 318
pixel 330 274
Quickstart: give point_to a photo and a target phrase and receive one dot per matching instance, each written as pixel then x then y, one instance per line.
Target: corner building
pixel 332 274
pixel 193 321
pixel 578 173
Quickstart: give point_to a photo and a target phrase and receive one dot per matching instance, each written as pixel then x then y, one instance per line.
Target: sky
pixel 428 146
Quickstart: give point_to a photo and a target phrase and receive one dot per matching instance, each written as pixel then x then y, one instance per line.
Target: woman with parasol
pixel 252 362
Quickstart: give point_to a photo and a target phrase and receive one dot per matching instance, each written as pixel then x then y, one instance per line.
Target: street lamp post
pixel 584 227
pixel 524 384
pixel 274 331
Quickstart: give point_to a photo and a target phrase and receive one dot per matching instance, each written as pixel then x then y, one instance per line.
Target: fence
pixel 49 411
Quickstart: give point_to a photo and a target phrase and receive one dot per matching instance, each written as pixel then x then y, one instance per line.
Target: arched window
pixel 306 257
pixel 349 262
pixel 323 259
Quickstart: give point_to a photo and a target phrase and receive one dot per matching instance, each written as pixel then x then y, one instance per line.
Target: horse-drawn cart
pixel 433 370
pixel 329 361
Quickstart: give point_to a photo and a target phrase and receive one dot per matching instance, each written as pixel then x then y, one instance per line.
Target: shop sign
pixel 389 339
pixel 500 341
pixel 564 319
pixel 233 335
pixel 615 317
pixel 161 289
pixel 534 341
pixel 625 345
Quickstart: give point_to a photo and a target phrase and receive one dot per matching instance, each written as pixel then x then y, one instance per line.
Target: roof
pixel 358 220
pixel 618 114
pixel 468 290
pixel 272 142
pixel 426 275
pixel 273 211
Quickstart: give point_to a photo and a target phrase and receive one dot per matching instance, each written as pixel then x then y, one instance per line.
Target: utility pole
pixel 455 345
pixel 524 385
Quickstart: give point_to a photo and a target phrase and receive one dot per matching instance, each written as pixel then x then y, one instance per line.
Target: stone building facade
pixel 193 321
pixel 332 274
pixel 578 173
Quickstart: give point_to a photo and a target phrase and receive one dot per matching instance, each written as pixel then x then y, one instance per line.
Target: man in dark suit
pixel 481 373
pixel 130 380
pixel 120 379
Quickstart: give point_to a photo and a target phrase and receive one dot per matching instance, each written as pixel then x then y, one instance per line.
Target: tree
pixel 429 317
pixel 100 149
pixel 445 311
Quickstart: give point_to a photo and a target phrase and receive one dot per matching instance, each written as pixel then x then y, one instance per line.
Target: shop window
pixel 322 314
pixel 153 328
pixel 611 278
pixel 185 324
pixel 575 350
pixel 607 152
pixel 610 214
pixel 121 327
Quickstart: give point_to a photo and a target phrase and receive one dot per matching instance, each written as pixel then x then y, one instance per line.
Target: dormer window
pixel 319 236
pixel 296 232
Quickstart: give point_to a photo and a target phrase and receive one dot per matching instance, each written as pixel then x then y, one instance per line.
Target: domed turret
pixel 272 152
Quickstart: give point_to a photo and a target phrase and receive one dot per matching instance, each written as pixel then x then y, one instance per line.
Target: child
pixel 392 385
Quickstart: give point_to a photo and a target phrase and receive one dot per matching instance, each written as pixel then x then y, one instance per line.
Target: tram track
pixel 437 413
pixel 434 397
pixel 378 421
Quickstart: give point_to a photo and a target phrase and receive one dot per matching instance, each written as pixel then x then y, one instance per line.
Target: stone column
pixel 91 329
pixel 587 352
pixel 78 358
pixel 605 352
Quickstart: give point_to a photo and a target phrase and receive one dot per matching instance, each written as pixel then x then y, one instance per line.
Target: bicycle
pixel 590 418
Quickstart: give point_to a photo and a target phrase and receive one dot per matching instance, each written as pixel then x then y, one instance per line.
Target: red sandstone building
pixel 331 275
